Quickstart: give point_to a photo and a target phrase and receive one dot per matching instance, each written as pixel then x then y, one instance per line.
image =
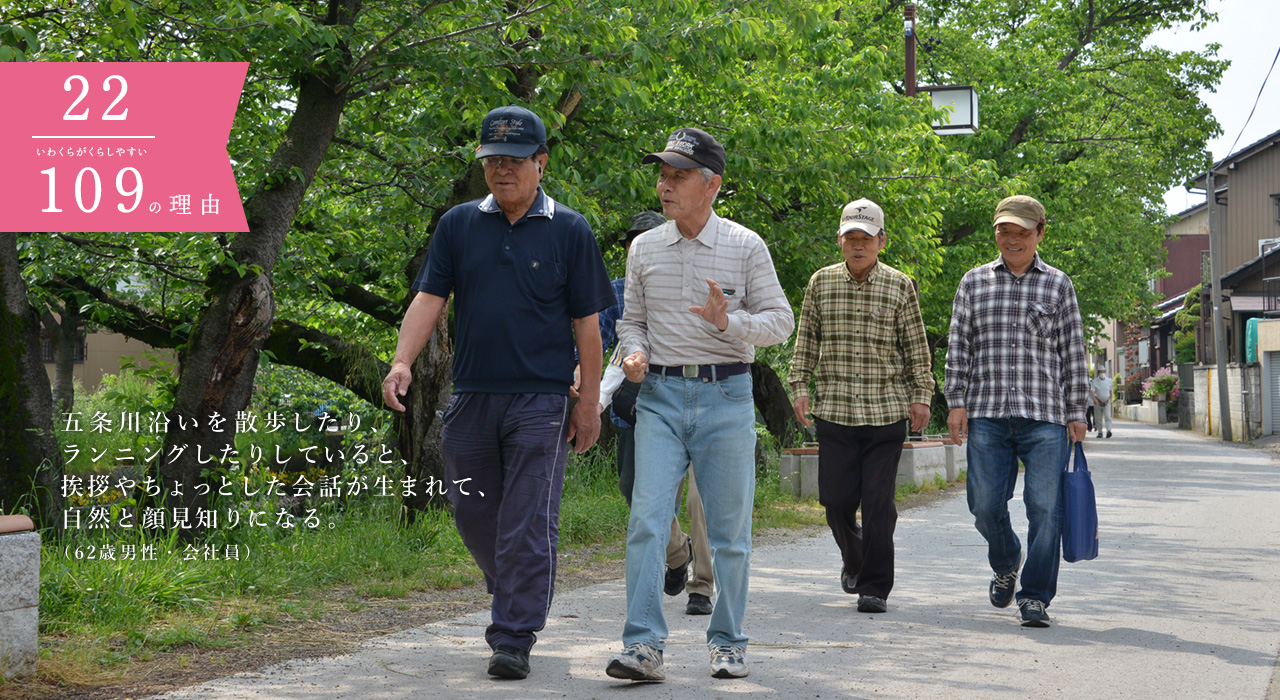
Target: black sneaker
pixel 846 582
pixel 1033 614
pixel 677 577
pixel 1099 434
pixel 698 605
pixel 509 662
pixel 1003 586
pixel 872 604
pixel 1108 433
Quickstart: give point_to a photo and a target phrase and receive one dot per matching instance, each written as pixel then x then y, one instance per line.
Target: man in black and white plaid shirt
pixel 1017 388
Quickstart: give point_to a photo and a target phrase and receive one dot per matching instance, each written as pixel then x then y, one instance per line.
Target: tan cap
pixel 1021 210
pixel 863 215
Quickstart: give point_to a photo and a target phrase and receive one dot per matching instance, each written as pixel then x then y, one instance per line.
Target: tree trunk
pixel 219 361
pixel 30 460
pixel 64 333
pixel 774 404
pixel 418 428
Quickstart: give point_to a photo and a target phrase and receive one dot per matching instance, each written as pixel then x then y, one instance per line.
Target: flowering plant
pixel 1163 381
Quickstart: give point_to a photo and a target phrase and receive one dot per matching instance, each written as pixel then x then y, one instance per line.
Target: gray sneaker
pixel 637 662
pixel 728 661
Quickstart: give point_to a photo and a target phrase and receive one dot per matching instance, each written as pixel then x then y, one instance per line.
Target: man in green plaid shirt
pixel 861 339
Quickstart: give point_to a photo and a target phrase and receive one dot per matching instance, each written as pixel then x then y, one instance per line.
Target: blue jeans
pixel 995 446
pixel 712 424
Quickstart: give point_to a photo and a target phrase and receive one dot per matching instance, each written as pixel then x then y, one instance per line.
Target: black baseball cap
pixel 690 148
pixel 511 131
pixel 642 222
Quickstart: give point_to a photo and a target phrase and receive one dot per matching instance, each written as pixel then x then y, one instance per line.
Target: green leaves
pixel 806 97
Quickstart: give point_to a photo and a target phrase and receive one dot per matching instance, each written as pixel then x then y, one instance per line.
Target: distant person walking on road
pixel 862 340
pixel 1016 386
pixel 1088 411
pixel 685 552
pixel 701 294
pixel 527 281
pixel 1100 389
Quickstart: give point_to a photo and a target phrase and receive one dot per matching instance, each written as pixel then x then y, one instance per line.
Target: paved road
pixel 1184 602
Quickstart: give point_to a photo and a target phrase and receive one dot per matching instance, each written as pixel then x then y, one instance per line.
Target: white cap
pixel 863 215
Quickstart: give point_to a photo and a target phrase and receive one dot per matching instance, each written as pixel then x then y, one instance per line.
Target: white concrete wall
pixel 1208 415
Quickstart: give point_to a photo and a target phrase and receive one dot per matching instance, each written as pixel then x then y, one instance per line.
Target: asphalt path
pixel 1183 602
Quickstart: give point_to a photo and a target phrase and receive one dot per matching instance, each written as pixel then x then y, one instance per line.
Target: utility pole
pixel 909 29
pixel 1219 329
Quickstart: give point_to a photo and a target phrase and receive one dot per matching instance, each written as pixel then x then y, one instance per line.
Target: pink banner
pixel 119 147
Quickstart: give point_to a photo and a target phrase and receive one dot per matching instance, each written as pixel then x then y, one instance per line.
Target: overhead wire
pixel 1255 103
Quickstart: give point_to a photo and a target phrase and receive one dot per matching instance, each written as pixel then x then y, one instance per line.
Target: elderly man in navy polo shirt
pixel 528 282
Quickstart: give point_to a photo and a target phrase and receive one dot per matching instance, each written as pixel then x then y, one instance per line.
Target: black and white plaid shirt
pixel 1016 345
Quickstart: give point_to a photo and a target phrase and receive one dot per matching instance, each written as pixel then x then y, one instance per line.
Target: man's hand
pixel 919 416
pixel 801 407
pixel 396 384
pixel 1077 429
pixel 958 425
pixel 577 379
pixel 635 365
pixel 716 310
pixel 584 425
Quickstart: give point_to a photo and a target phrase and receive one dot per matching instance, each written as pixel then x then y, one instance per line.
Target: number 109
pixel 136 192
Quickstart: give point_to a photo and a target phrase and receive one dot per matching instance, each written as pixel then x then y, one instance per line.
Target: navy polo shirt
pixel 516 290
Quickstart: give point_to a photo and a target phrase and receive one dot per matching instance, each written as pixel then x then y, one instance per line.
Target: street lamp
pixel 963 101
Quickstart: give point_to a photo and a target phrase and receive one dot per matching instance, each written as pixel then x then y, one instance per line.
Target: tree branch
pixel 133 321
pixel 361 299
pixel 327 356
pixel 472 30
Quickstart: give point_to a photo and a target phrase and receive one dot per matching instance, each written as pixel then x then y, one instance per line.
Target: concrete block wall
pixel 920 462
pixel 1208 412
pixel 957 459
pixel 1146 412
pixel 19 602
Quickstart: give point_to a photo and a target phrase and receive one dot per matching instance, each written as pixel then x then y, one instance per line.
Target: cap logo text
pixel 682 142
pixel 502 129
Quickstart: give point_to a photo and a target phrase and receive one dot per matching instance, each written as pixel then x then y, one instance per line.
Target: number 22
pixel 84 92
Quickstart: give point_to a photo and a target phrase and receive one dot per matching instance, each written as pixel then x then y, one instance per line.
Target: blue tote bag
pixel 1079 509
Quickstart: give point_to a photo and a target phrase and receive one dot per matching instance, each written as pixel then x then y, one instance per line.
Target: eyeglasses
pixel 495 162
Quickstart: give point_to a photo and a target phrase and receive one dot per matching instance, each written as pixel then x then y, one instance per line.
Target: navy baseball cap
pixel 690 148
pixel 642 222
pixel 511 131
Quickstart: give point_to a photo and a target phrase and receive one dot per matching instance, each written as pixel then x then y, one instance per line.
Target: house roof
pixel 1168 308
pixel 1252 267
pixel 1249 151
pixel 1189 212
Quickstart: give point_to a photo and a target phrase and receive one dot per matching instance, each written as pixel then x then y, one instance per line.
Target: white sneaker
pixel 728 661
pixel 637 662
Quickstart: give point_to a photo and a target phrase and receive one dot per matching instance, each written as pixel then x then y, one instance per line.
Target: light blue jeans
pixel 995 447
pixel 712 424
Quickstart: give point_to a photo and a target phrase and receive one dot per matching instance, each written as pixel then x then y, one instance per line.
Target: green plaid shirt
pixel 866 341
